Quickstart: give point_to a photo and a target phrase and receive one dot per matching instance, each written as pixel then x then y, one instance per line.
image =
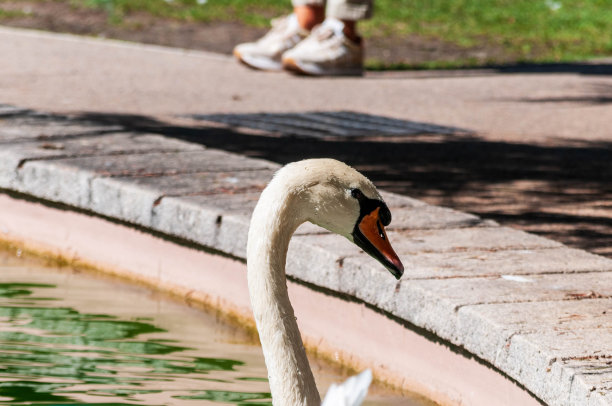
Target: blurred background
pixel 403 33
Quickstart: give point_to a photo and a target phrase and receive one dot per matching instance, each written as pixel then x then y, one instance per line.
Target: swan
pixel 332 195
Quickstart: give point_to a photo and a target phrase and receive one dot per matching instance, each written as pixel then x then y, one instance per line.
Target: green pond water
pixel 73 339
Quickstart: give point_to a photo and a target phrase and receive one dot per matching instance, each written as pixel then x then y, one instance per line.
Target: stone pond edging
pixel 537 311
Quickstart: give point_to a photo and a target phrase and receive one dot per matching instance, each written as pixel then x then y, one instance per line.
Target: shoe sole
pixel 292 66
pixel 259 63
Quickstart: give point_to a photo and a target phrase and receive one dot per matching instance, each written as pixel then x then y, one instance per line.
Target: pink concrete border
pixel 396 354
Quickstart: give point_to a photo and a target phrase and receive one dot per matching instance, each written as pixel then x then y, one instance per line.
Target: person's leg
pixel 350 12
pixel 334 48
pixel 309 13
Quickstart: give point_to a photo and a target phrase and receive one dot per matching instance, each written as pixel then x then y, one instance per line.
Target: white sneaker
pixel 326 51
pixel 266 52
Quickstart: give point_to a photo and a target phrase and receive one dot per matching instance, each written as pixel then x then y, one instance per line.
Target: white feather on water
pixel 351 392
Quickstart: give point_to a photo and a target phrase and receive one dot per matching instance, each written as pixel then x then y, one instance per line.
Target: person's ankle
pixel 309 16
pixel 350 31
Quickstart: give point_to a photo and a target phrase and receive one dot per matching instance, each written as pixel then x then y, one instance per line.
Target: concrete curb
pixel 536 310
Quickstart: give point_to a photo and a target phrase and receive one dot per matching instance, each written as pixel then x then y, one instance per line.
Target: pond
pixel 69 338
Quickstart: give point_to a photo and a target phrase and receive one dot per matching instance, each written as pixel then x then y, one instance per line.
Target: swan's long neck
pixel 274 220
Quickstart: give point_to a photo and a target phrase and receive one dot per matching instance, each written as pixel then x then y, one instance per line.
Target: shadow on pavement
pixel 563 192
pixel 593 68
pixel 582 68
pixel 600 94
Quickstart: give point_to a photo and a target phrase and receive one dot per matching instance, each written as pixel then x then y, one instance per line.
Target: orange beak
pixel 370 235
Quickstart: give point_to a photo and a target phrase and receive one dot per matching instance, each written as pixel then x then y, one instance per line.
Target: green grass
pixel 252 12
pixel 12 14
pixel 524 30
pixel 539 30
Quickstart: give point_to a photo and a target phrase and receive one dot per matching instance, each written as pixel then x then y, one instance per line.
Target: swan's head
pixel 342 200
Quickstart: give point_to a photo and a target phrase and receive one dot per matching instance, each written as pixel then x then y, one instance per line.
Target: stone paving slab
pixel 55 182
pixel 208 183
pixel 504 320
pixel 16 155
pixel 428 217
pixel 437 305
pixel 531 307
pixel 596 387
pixel 231 203
pixel 107 144
pixel 542 352
pixel 188 220
pixel 41 128
pixel 134 199
pixel 164 163
pixel 487 263
pixel 395 201
pixel 590 312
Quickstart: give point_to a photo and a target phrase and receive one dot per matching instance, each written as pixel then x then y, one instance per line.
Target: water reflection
pixel 50 353
pixel 73 339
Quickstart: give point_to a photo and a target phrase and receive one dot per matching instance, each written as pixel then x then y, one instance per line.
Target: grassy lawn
pixel 534 30
pixel 525 30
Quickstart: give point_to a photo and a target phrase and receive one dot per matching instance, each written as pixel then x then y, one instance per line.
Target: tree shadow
pixel 594 68
pixel 599 94
pixel 560 191
pixel 581 68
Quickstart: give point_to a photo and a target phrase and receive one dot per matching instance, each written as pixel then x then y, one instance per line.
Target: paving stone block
pixel 55 182
pixel 533 288
pixel 185 219
pixel 533 359
pixel 437 305
pixel 237 203
pixel 592 386
pixel 123 200
pixel 210 226
pixel 312 260
pixel 395 201
pixel 47 129
pixel 206 183
pixel 9 161
pixel 431 217
pixel 592 377
pixel 485 329
pixel 410 242
pixel 106 144
pixel 232 235
pixel 165 163
pixel 493 263
pixel 14 155
pixel 575 343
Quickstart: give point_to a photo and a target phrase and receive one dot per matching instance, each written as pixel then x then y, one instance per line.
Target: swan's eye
pixel 356 193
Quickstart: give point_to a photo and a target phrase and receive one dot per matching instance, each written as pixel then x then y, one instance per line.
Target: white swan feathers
pixel 332 195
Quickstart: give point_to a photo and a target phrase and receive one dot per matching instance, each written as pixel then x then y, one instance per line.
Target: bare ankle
pixel 309 16
pixel 350 31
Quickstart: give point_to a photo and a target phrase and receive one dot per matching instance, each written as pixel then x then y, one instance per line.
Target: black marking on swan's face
pixel 369 232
